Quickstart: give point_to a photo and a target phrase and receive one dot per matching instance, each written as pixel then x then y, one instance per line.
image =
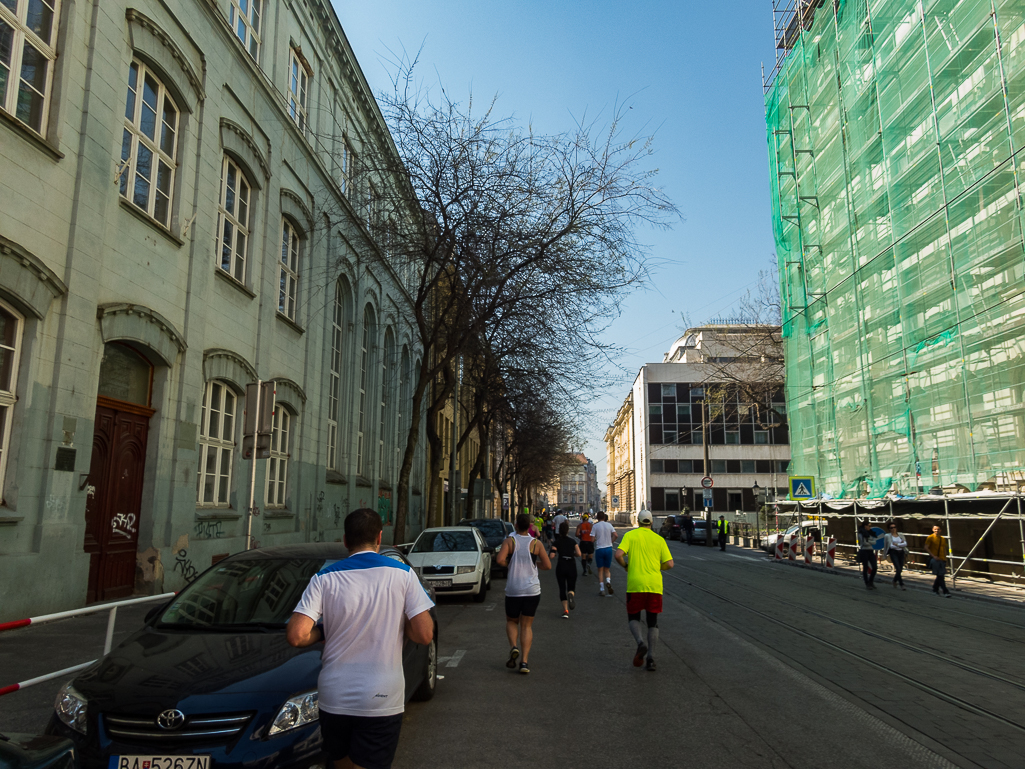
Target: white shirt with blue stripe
pixel 364 600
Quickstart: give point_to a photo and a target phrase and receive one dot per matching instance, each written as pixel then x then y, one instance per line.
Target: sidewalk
pixel 916 579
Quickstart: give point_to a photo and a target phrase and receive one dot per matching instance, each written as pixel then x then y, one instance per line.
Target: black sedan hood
pixel 156 669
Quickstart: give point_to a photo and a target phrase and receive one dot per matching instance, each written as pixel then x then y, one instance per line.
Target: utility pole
pixel 454 483
pixel 706 433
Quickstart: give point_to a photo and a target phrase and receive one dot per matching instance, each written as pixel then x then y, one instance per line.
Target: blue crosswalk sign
pixel 802 487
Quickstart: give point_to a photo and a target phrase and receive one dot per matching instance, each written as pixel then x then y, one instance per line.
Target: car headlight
pixel 70 707
pixel 298 711
pixel 465 569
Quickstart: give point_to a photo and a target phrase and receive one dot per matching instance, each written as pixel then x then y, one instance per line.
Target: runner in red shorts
pixel 649 556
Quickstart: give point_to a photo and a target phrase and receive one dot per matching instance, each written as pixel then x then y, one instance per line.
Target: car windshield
pixel 445 542
pixel 256 593
pixel 489 528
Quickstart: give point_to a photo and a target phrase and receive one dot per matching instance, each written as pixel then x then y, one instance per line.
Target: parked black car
pixel 210 678
pixel 27 751
pixel 671 528
pixel 494 532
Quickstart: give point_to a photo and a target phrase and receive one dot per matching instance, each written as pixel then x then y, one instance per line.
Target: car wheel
pixel 482 591
pixel 425 690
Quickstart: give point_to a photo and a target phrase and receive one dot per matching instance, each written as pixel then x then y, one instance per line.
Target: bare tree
pixel 485 220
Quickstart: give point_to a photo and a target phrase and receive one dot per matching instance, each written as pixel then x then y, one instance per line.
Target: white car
pixel 453 559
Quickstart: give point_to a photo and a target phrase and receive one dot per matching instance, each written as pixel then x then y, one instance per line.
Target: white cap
pixel 644 516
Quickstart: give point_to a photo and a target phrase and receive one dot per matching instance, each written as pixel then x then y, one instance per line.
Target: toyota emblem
pixel 171 719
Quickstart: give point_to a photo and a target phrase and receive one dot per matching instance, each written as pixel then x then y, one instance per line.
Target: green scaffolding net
pixel 895 131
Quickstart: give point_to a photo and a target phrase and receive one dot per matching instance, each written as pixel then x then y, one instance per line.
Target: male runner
pixel 649 557
pixel 586 542
pixel 604 533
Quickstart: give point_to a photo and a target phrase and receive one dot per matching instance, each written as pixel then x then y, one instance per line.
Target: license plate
pixel 441 582
pixel 159 762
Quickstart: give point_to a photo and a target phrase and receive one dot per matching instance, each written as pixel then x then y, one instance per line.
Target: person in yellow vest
pixel 649 557
pixel 937 547
pixel 720 528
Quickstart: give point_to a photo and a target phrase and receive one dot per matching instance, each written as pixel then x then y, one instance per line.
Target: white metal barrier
pixel 107 644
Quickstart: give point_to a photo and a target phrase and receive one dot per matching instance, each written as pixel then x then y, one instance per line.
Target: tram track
pixel 911 680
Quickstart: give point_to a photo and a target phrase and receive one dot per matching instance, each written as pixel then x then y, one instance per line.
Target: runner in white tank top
pixel 522 589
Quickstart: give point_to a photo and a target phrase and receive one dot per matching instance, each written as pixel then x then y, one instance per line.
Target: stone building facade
pixel 183 214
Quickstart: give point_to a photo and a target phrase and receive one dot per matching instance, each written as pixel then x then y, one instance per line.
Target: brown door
pixel 112 511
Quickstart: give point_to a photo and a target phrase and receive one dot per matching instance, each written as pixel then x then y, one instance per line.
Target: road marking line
pixel 455 658
pixel 490 607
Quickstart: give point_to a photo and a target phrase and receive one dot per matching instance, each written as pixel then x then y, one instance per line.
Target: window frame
pixel 9 397
pixel 21 36
pixel 348 167
pixel 288 269
pixel 278 461
pixel 218 444
pixel 363 385
pixel 252 31
pixel 133 135
pixel 335 376
pixel 298 96
pixel 232 218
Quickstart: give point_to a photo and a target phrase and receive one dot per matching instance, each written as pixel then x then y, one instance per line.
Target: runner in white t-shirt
pixel 368 603
pixel 604 534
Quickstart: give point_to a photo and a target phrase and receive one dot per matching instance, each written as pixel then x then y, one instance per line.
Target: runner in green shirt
pixel 649 557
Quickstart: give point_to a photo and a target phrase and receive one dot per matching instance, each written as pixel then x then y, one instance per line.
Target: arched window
pixel 216 445
pixel 288 269
pixel 149 144
pixel 402 410
pixel 334 394
pixel 234 220
pixel 28 29
pixel 384 433
pixel 11 325
pixel 364 383
pixel 277 464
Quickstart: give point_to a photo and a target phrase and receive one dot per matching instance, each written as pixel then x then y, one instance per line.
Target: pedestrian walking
pixel 565 552
pixel 867 554
pixel 648 556
pixel 586 544
pixel 897 549
pixel 720 528
pixel 521 555
pixel 366 603
pixel 688 526
pixel 604 535
pixel 936 545
pixel 548 530
pixel 558 521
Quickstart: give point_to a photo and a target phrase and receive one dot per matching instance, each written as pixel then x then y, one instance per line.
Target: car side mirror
pixel 405 547
pixel 152 613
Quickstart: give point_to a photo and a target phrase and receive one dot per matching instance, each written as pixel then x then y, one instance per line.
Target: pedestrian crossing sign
pixel 802 487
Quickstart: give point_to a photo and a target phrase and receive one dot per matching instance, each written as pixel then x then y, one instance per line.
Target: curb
pixel 1018 603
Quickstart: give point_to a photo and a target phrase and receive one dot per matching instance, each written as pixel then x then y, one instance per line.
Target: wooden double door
pixel 113 508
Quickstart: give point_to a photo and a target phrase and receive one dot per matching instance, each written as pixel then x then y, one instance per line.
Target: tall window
pixel 401 411
pixel 298 90
pixel 348 163
pixel 383 427
pixel 334 383
pixel 363 374
pixel 216 445
pixel 245 20
pixel 148 144
pixel 10 352
pixel 234 220
pixel 277 465
pixel 288 276
pixel 28 30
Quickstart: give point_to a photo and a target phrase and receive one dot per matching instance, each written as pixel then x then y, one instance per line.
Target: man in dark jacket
pixel 688 526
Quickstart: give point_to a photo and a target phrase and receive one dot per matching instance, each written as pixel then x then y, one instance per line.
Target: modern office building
pixel 183 214
pixel 894 132
pixel 655 446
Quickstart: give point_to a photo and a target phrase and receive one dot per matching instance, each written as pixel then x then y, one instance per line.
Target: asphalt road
pixel 759 665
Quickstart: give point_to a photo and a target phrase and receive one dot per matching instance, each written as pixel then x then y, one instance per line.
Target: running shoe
pixel 572 601
pixel 946 595
pixel 514 654
pixel 565 615
pixel 642 649
pixel 608 586
pixel 651 665
pixel 524 668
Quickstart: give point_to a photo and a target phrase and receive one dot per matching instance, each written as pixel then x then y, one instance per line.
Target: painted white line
pixel 694 557
pixel 490 607
pixel 455 659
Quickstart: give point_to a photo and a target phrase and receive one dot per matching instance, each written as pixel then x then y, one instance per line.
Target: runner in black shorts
pixel 366 742
pixel 522 556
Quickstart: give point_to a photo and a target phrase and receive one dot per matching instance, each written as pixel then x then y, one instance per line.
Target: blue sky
pixel 692 73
